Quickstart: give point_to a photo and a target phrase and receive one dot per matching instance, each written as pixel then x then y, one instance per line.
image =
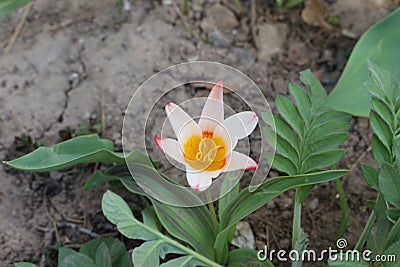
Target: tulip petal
pixel 239 161
pixel 182 124
pixel 200 180
pixel 237 127
pixel 170 148
pixel 213 111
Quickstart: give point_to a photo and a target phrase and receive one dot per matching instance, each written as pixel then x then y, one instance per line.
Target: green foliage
pixel 308 133
pixel 380 45
pixel 289 3
pixel 157 244
pixel 244 257
pixel 9 6
pixel 88 148
pixel 341 260
pixel 25 264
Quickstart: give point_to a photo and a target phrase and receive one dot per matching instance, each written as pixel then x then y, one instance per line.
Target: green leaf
pixel 302 100
pixel 314 86
pixel 150 252
pixel 244 257
pixel 300 246
pixel 349 94
pixel 117 250
pixel 283 164
pixel 325 143
pixel 287 150
pixel 384 112
pixel 345 260
pixel 334 126
pixel 118 212
pixel 376 240
pixel 231 183
pixel 150 218
pixel 329 116
pixel 393 214
pixel 70 258
pixel 392 255
pixel 322 160
pixel 394 234
pixel 9 6
pixel 382 79
pixel 371 176
pixel 389 184
pixel 292 3
pixel 103 257
pixel 24 264
pixel 88 148
pixel 285 131
pixel 290 113
pixel 184 261
pixel 381 129
pixel 246 203
pixel 380 151
pixel 98 178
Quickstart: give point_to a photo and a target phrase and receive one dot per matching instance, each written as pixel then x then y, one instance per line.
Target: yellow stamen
pixel 206 153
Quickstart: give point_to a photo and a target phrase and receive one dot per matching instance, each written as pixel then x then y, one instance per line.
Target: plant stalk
pixel 212 211
pixel 363 237
pixel 296 219
pixel 344 206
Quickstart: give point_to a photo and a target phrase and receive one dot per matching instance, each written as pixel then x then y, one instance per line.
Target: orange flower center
pixel 206 153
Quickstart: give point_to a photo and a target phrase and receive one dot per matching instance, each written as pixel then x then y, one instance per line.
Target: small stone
pixel 245 57
pixel 219 17
pixel 270 40
pixel 313 204
pixel 244 237
pixel 219 39
pixel 298 53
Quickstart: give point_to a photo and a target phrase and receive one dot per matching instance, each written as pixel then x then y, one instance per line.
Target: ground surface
pixel 71 55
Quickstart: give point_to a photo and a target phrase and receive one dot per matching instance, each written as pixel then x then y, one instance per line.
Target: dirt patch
pixel 69 55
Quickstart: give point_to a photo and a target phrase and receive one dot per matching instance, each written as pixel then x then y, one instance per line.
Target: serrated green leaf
pixel 283 164
pixel 117 249
pixel 334 126
pixel 381 129
pixel 150 252
pixel 317 91
pixel 9 6
pixel 382 79
pixel 384 112
pixel 389 184
pixel 70 258
pixel 377 92
pixel 244 257
pixel 371 176
pixel 328 116
pixel 103 257
pixel 285 131
pixel 246 203
pixel 302 100
pixel 88 148
pixel 380 151
pixel 325 143
pixel 349 94
pixel 287 150
pixel 290 114
pixel 322 160
pixel 24 264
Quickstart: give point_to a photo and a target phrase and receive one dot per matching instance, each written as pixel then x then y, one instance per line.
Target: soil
pixel 75 62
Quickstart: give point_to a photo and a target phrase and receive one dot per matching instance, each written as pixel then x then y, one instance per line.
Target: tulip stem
pixel 212 210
